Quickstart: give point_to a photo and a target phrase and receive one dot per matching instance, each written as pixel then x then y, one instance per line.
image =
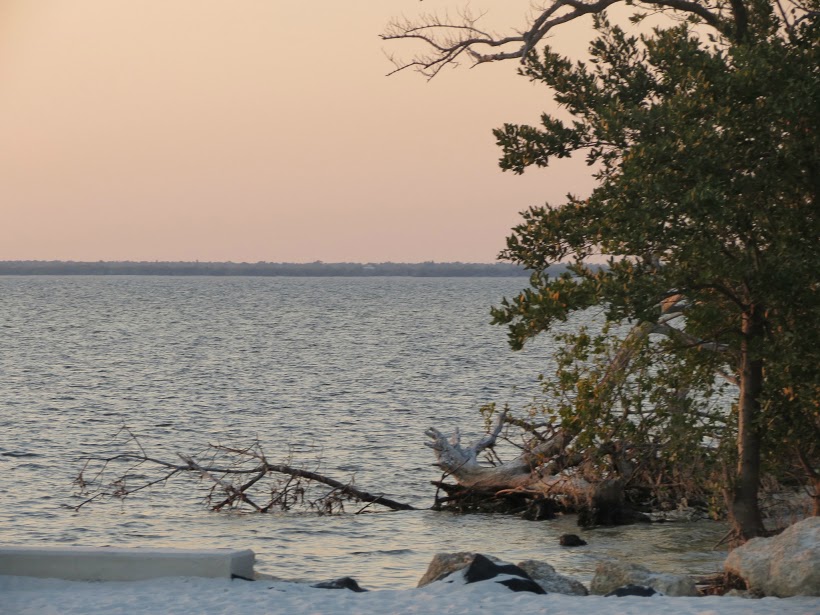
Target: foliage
pixel 707 157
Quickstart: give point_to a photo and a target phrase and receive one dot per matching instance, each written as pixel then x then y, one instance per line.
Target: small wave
pixel 384 552
pixel 19 454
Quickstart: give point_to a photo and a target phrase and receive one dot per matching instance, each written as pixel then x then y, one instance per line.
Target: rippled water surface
pixel 353 368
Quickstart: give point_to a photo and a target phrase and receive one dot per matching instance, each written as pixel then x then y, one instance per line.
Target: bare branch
pixel 490 440
pixel 283 485
pixel 446 40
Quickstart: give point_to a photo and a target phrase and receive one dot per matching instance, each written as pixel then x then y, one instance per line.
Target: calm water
pixel 354 369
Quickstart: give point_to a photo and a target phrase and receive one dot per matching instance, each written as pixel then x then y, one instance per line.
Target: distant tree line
pixel 317 268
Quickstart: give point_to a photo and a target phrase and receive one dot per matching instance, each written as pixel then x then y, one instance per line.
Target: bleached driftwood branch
pixel 525 472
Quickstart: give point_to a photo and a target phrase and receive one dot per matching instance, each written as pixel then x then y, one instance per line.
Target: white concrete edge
pixel 124 564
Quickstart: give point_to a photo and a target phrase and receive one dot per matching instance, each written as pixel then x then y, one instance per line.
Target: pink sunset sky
pixel 256 130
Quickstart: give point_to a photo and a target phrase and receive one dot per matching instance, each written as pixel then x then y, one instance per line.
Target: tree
pixel 704 140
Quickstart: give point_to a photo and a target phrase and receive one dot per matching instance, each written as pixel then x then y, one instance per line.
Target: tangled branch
pixel 238 478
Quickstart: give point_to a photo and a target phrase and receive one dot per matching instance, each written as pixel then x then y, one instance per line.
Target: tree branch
pixel 238 463
pixel 446 40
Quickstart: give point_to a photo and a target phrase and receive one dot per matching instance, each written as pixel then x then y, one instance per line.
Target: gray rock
pixel 784 565
pixel 552 582
pixel 612 574
pixel 443 564
pixel 482 569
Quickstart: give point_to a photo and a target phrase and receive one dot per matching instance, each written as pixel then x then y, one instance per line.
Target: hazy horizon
pixel 235 262
pixel 183 130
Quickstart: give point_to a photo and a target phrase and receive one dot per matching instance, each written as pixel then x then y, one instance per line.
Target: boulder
pixel 784 565
pixel 612 574
pixel 552 582
pixel 443 564
pixel 482 569
pixel 544 575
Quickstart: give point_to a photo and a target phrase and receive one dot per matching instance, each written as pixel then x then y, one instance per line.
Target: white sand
pixel 187 596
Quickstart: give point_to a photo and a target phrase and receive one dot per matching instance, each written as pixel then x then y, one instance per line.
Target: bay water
pixel 342 374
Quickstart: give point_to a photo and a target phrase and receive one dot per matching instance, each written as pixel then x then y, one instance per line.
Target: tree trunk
pixel 744 510
pixel 520 475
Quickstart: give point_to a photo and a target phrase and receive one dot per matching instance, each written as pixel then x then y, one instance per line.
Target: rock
pixel 340 583
pixel 477 567
pixel 784 565
pixel 633 590
pixel 612 574
pixel 443 564
pixel 482 569
pixel 571 540
pixel 552 582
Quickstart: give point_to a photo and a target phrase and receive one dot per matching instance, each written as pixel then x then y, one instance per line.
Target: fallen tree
pixel 557 467
pixel 540 481
pixel 242 478
pixel 574 453
pixel 587 461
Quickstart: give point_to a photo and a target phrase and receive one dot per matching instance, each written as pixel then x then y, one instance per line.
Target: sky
pixel 256 130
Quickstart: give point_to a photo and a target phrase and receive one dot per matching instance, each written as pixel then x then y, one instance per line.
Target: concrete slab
pixel 124 564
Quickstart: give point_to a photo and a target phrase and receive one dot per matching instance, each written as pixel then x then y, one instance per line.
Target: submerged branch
pixel 238 476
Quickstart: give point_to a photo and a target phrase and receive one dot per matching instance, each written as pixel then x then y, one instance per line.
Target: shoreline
pixel 453 583
pixel 187 596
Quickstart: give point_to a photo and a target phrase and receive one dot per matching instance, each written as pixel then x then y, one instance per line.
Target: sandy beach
pixel 189 596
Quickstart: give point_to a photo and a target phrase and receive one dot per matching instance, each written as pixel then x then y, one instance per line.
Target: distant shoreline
pixel 224 269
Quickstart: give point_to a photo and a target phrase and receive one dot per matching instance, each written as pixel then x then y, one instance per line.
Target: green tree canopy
pixel 707 156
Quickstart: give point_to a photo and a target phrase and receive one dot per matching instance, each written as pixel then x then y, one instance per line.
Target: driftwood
pixel 541 481
pixel 528 474
pixel 238 478
pixel 521 473
pixel 548 468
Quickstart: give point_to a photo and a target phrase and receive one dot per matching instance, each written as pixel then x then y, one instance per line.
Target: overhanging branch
pixel 446 39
